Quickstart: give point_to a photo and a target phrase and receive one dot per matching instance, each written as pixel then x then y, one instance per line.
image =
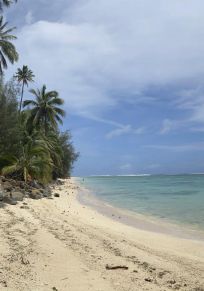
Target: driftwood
pixel 108 267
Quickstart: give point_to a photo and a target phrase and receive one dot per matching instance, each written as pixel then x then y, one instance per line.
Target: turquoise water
pixel 175 198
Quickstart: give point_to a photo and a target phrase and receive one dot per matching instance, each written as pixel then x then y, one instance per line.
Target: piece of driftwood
pixel 108 267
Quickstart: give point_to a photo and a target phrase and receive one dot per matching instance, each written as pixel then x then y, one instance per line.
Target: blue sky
pixel 132 76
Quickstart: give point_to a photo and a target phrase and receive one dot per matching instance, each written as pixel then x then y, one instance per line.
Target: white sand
pixel 64 245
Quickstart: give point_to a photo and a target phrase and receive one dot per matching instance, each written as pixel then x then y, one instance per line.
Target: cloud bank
pixel 101 53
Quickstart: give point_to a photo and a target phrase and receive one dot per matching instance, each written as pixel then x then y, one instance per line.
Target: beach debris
pixel 24 207
pixel 145 265
pixel 54 289
pixel 56 195
pixel 4 283
pixel 108 267
pixel 148 279
pixel 24 261
pixel 177 287
pixel 151 269
pixel 171 282
pixel 162 274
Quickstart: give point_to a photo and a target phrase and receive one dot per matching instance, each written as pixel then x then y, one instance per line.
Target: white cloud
pixel 29 18
pixel 124 129
pixel 192 100
pixel 166 126
pixel 179 148
pixel 169 125
pixel 104 50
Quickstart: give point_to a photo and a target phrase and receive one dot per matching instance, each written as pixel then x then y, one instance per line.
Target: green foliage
pixel 45 110
pixel 69 155
pixel 31 148
pixel 6 3
pixel 7 49
pixel 9 126
pixel 34 162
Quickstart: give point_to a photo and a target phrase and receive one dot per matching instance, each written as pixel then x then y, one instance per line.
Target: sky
pixel 131 73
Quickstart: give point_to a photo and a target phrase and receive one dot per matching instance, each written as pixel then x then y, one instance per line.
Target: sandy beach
pixel 61 244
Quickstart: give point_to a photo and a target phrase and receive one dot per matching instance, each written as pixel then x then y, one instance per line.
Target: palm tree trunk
pixel 45 124
pixel 25 175
pixel 22 91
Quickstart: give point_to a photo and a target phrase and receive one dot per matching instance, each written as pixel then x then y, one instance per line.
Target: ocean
pixel 177 199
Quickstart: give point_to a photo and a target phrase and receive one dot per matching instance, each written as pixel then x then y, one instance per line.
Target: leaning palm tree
pixel 6 3
pixel 24 76
pixel 7 49
pixel 45 109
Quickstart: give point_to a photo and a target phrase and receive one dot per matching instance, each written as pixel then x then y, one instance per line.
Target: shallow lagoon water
pixel 173 198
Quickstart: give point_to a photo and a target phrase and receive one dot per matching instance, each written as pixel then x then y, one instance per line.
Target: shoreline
pixel 61 244
pixel 135 219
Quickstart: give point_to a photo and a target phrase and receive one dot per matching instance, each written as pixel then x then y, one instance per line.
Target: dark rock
pixel 1 194
pixel 56 195
pixel 35 194
pixel 46 193
pixel 34 184
pixel 59 182
pixel 9 201
pixel 7 186
pixel 17 196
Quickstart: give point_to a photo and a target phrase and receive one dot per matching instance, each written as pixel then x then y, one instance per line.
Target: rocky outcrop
pixel 12 191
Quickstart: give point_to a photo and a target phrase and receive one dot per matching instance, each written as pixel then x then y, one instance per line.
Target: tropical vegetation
pixel 32 147
pixel 6 3
pixel 24 76
pixel 7 49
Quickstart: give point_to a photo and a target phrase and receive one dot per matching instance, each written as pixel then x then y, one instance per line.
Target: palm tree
pixel 7 49
pixel 6 3
pixel 45 110
pixel 34 161
pixel 24 76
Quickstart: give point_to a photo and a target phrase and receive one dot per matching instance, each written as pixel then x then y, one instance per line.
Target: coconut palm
pixel 7 49
pixel 34 161
pixel 24 76
pixel 6 3
pixel 45 110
